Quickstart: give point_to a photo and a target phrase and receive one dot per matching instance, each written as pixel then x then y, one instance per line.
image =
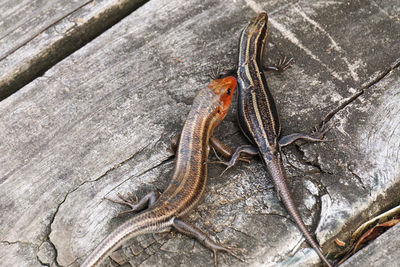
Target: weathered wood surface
pixel 382 252
pixel 99 122
pixel 34 35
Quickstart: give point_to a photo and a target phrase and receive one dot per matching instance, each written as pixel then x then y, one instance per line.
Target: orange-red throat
pixel 223 88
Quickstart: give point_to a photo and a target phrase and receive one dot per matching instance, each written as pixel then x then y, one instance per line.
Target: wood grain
pixel 34 35
pixel 99 122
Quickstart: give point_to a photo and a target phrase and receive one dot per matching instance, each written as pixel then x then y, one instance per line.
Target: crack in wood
pixel 48 227
pixel 41 262
pixel 361 91
pixel 358 178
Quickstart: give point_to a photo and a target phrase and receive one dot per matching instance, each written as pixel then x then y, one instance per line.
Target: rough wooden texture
pixel 384 251
pixel 99 123
pixel 34 35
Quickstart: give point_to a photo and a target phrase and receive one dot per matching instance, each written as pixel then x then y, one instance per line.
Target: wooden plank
pixel 384 251
pixel 364 163
pixel 98 123
pixel 34 35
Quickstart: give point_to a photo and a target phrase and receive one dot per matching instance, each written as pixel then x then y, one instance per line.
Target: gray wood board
pixel 99 123
pixel 34 35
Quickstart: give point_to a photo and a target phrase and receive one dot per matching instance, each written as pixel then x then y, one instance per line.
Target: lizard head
pixel 223 88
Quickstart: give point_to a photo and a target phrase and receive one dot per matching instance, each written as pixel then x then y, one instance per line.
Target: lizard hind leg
pixel 191 230
pixel 236 156
pixel 136 205
pixel 291 138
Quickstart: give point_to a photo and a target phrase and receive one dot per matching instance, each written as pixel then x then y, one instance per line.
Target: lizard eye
pixel 228 92
pixel 218 111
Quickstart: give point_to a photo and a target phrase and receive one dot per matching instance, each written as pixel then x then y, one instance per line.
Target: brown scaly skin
pixel 258 116
pixel 188 181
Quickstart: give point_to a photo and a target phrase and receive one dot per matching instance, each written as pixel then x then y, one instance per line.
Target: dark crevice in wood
pixel 312 163
pixel 355 96
pixel 42 263
pixel 358 178
pixel 72 41
pixel 48 228
pixel 33 36
pixel 322 188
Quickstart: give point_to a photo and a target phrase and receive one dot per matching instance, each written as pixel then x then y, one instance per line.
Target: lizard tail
pixel 145 222
pixel 278 175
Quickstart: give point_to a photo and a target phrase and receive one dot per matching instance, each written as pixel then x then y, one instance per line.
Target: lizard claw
pixel 128 201
pixel 284 63
pixel 229 250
